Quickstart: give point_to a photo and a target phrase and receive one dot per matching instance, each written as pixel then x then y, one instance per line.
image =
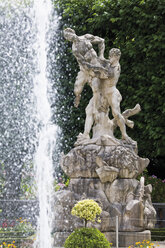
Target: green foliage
pixel 138 29
pixel 67 182
pixel 86 238
pixel 24 226
pixel 158 188
pixel 87 209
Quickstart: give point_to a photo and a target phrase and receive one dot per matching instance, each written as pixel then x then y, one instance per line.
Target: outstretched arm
pixel 98 70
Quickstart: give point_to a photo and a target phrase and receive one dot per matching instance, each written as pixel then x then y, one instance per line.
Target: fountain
pixel 27 130
pixel 43 156
pixel 102 167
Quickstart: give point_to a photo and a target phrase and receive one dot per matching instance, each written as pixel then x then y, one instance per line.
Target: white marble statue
pixel 104 168
pixel 102 75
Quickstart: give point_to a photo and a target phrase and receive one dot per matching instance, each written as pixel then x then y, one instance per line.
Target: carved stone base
pixel 106 174
pixel 114 162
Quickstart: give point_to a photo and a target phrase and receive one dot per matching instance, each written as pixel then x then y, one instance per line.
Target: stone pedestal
pixel 106 174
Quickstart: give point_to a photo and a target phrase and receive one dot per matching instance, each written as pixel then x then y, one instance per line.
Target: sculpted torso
pixel 82 46
pixel 111 82
pixel 109 89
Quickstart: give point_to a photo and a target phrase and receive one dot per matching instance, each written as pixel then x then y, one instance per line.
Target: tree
pixel 88 210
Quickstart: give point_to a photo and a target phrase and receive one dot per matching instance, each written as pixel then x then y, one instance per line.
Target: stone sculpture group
pixel 102 75
pixel 103 167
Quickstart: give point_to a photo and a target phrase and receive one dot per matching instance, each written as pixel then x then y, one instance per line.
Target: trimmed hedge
pixel 158 234
pixel 86 238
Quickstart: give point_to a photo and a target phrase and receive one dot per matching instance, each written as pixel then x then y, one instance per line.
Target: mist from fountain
pixel 27 132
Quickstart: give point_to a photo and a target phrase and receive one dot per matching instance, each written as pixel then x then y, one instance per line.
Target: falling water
pixel 26 130
pixel 43 156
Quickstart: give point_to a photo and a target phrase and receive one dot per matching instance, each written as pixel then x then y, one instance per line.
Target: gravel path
pixel 159 244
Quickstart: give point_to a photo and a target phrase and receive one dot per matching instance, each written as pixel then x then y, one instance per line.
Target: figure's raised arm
pixel 99 71
pixel 99 41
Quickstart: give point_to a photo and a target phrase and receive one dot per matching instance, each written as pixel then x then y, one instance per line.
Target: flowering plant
pixel 61 184
pixel 19 225
pixel 5 245
pixel 143 244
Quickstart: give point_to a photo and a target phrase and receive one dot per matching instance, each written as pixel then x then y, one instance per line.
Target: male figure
pixel 91 68
pixel 86 56
pixel 111 96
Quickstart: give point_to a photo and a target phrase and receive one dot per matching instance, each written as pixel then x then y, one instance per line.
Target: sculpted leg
pixel 126 114
pixel 120 122
pixel 129 112
pixel 115 106
pixel 96 93
pixel 81 79
pixel 83 137
pixel 89 118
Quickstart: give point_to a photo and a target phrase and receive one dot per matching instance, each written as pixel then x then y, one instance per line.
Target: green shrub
pixel 88 210
pixel 158 188
pixel 86 238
